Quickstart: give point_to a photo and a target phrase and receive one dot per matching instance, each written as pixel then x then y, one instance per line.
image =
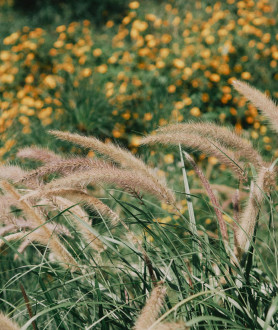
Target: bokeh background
pixel 119 69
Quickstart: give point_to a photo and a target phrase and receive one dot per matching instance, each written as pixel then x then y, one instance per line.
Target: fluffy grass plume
pixel 260 101
pixel 120 156
pixel 44 235
pixel 43 155
pixel 152 308
pixel 78 214
pixel 64 167
pixel 227 137
pixel 197 142
pixel 7 324
pixel 124 179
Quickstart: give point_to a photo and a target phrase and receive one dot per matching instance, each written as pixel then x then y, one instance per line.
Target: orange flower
pixel 166 38
pixel 214 77
pixel 148 116
pixel 134 5
pixel 97 52
pixel 169 159
pixel 245 75
pixel 102 68
pixel 50 82
pixel 171 89
pixel 86 72
pixel 178 63
pixel 195 112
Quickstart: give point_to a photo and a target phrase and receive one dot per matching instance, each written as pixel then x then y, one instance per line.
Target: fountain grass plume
pixel 220 134
pixel 45 234
pixel 7 324
pixel 125 179
pixel 87 200
pixel 261 101
pixel 65 167
pixel 43 155
pixel 196 142
pixel 77 215
pixel 152 308
pixel 121 157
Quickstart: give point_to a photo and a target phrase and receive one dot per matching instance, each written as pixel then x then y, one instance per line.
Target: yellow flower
pixel 254 135
pixel 9 144
pixel 205 53
pixel 164 52
pixel 135 141
pixel 46 121
pixel 208 221
pixel 187 101
pixel 134 5
pixel 171 89
pixel 150 17
pixel 97 52
pixel 160 64
pixel 91 154
pixel 214 77
pixel 50 82
pixel 205 97
pixel 210 40
pixel 178 63
pixel 195 112
pixel 139 25
pixel 102 68
pixel 213 160
pixel 61 28
pixel 126 115
pixel 169 159
pixel 5 55
pixel 109 24
pixel 245 75
pixel 29 79
pixel 148 116
pixel 44 113
pixel 24 120
pixel 7 78
pixel 86 72
pixel 166 38
pixel 116 133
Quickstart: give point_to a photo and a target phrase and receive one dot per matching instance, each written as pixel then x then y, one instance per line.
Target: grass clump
pixel 90 254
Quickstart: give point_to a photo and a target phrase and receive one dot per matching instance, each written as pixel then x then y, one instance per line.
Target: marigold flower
pixel 86 72
pixel 214 77
pixel 102 68
pixel 169 159
pixel 245 75
pixel 50 82
pixel 97 52
pixel 178 63
pixel 134 5
pixel 171 89
pixel 195 111
pixel 148 116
